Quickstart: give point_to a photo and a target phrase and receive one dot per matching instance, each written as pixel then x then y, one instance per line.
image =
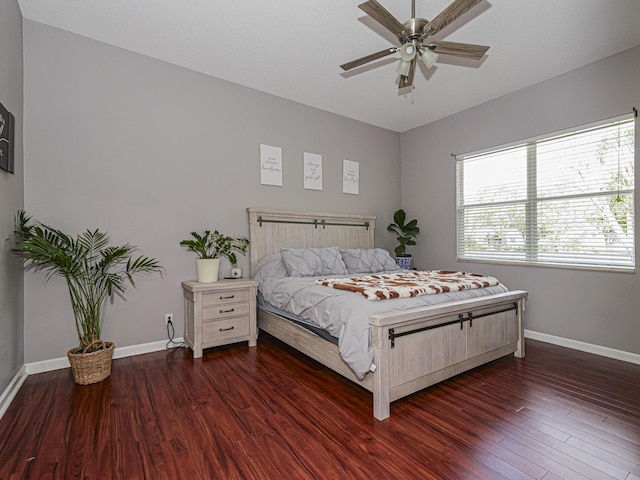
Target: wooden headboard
pixel 270 230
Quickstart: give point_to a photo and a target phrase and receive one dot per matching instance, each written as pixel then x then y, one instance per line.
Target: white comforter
pixel 342 313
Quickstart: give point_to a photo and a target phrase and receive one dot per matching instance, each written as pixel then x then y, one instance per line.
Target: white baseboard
pixel 132 350
pixel 584 347
pixel 12 389
pixel 119 352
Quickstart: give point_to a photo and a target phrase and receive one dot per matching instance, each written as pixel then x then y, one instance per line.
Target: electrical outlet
pixel 168 317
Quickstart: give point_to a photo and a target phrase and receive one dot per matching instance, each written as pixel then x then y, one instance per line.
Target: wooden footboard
pixel 423 346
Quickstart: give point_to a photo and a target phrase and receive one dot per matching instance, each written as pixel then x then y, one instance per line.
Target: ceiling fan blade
pixel 449 14
pixel 367 59
pixel 465 50
pixel 382 16
pixel 408 80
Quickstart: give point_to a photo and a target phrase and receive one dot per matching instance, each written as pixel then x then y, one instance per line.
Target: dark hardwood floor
pixel 270 413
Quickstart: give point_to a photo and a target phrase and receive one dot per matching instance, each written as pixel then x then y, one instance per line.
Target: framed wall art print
pixel 7 129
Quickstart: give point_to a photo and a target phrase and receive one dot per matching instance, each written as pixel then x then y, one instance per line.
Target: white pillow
pixel 313 262
pixel 270 267
pixel 372 260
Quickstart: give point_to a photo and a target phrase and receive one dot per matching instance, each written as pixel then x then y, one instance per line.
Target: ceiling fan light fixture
pixel 428 57
pixel 407 52
pixel 403 67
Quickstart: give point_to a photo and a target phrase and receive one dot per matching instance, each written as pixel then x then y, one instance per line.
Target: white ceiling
pixel 293 48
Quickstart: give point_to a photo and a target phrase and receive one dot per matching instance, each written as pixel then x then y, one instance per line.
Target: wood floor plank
pixel 596 451
pixel 271 413
pixel 478 439
pixel 586 430
pixel 603 441
pixel 551 476
pixel 512 425
pixel 560 442
pixel 554 467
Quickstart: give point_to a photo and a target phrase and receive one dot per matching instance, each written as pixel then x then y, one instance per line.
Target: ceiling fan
pixel 413 37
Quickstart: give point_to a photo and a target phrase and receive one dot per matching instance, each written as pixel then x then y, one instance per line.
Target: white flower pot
pixel 207 269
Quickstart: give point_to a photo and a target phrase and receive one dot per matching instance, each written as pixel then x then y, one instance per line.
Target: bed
pixel 412 348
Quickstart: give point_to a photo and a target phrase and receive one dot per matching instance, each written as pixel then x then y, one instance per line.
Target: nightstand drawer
pixel 224 329
pixel 223 298
pixel 224 311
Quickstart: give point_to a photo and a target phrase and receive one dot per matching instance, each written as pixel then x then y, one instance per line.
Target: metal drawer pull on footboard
pixel 470 317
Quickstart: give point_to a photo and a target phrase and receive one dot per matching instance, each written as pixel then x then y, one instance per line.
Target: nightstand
pixel 219 313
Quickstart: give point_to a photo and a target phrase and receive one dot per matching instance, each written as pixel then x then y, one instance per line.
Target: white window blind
pixel 563 200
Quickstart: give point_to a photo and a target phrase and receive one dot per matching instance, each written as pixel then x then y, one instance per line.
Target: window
pixel 563 200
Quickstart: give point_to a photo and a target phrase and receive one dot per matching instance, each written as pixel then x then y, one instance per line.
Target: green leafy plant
pixel 216 245
pixel 93 269
pixel 405 232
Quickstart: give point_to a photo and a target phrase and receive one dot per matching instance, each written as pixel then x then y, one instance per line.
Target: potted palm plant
pixel 94 271
pixel 210 247
pixel 405 234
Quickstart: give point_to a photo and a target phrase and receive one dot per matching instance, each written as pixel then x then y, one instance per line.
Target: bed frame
pixel 413 349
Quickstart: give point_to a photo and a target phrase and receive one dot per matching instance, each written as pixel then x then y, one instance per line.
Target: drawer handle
pixel 222 297
pixel 226 329
pixel 227 311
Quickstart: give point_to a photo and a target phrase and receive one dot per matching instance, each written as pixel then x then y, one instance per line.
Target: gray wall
pixel 593 307
pixel 11 196
pixel 149 152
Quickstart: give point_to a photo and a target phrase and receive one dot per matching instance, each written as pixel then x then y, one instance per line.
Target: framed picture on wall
pixel 350 177
pixel 312 171
pixel 7 129
pixel 270 165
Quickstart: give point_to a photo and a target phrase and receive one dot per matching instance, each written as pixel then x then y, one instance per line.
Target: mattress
pixel 299 321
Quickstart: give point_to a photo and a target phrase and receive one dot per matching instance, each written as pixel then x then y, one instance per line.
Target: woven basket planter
pixel 88 368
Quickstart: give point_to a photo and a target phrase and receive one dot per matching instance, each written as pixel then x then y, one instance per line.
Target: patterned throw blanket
pixel 409 284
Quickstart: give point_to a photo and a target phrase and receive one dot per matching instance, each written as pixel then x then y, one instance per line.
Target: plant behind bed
pixel 405 234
